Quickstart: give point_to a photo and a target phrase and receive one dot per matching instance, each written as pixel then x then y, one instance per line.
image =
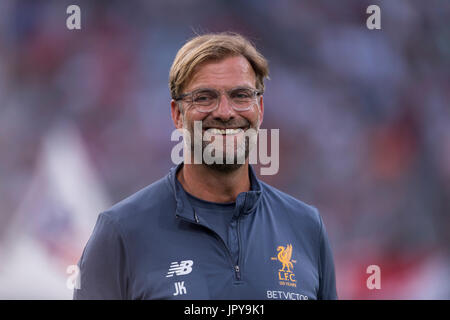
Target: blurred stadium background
pixel 364 119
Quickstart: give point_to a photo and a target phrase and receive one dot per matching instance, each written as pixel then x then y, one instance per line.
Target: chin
pixel 238 157
pixel 225 168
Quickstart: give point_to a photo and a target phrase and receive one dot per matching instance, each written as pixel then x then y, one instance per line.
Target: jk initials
pixel 179 288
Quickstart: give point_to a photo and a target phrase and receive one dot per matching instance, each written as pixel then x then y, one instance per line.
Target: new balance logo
pixel 180 269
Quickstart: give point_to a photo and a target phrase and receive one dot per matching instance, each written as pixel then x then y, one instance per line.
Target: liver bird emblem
pixel 284 256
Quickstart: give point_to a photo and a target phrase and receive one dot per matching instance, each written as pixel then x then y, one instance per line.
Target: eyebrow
pixel 233 88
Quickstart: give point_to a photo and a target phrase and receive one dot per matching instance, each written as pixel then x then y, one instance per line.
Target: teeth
pixel 224 131
pixel 216 131
pixel 233 131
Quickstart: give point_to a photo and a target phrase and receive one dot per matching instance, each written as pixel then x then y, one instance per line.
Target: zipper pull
pixel 237 270
pixel 196 218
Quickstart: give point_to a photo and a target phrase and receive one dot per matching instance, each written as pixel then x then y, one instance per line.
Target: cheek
pixel 253 116
pixel 190 117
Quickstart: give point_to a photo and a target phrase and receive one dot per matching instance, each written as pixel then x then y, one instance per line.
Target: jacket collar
pixel 246 202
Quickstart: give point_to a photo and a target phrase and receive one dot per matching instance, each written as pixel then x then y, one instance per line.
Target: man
pixel 211 230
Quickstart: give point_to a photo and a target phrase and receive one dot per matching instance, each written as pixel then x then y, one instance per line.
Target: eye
pixel 204 97
pixel 241 94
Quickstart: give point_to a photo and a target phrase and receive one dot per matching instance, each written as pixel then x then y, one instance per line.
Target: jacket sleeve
pixel 327 287
pixel 103 265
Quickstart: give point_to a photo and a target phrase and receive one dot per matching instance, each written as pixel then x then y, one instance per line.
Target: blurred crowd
pixel 364 115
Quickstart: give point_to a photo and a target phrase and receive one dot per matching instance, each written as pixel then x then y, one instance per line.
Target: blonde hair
pixel 214 46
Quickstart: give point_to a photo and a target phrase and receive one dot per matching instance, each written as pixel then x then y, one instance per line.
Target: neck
pixel 211 185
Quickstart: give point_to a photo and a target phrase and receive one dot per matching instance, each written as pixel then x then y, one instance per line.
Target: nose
pixel 224 110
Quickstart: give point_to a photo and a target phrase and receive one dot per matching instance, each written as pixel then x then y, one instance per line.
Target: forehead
pixel 226 73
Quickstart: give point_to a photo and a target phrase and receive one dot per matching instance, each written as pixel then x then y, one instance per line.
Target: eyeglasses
pixel 207 100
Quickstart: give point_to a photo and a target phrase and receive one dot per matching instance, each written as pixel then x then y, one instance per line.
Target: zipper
pixel 236 268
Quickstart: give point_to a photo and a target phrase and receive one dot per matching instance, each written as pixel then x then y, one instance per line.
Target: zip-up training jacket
pixel 155 245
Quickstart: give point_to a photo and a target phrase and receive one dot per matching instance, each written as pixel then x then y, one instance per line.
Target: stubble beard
pixel 239 147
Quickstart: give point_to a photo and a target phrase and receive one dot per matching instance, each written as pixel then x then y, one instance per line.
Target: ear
pixel 261 109
pixel 177 116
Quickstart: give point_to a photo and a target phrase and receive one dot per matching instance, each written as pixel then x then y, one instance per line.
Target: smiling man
pixel 211 229
pixel 224 121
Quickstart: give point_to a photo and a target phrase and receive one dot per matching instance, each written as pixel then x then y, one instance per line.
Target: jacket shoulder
pixel 290 205
pixel 148 201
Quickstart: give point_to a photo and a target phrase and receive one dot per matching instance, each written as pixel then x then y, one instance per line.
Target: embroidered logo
pixel 180 269
pixel 286 275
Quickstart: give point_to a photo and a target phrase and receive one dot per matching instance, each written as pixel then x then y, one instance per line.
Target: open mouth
pixel 225 131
